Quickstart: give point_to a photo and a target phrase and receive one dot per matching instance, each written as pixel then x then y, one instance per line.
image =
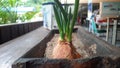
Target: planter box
pixel 106 56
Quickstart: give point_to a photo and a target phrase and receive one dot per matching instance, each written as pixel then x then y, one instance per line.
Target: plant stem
pixel 73 20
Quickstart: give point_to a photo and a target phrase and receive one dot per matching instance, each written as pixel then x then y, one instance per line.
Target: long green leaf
pixel 63 19
pixel 61 8
pixel 73 19
pixel 62 22
pixel 57 16
pixel 68 23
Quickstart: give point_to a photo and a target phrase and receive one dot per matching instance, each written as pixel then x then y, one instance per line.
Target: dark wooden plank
pixel 5 34
pixel 26 28
pixel 14 31
pixel 21 30
pixel 40 24
pixel 36 25
pixel 30 27
pixel 41 63
pixel 94 62
pixel 33 26
pixel 0 37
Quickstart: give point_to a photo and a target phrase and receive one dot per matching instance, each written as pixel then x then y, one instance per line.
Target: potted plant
pixel 64 48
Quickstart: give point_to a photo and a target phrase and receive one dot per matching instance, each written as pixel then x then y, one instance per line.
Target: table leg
pixel 114 32
pixel 107 31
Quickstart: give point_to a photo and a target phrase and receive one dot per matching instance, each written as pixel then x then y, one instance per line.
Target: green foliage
pixel 6 15
pixel 12 3
pixel 63 18
pixel 29 15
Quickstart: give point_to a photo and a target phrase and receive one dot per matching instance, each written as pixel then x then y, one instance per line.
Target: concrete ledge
pixel 14 49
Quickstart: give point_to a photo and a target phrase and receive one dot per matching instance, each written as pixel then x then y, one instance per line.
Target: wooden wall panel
pixel 5 34
pixel 21 29
pixel 11 31
pixel 14 31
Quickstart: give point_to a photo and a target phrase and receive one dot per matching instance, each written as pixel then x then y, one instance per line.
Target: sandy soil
pixel 85 52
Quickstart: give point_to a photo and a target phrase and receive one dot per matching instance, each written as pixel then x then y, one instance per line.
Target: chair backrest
pixel 94 26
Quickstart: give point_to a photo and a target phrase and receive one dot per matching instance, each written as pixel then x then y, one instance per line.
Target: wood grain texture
pixel 14 49
pixel 11 31
pixel 103 48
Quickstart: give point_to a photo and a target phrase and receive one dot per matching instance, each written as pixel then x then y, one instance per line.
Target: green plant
pixel 6 14
pixel 29 15
pixel 8 17
pixel 64 48
pixel 63 18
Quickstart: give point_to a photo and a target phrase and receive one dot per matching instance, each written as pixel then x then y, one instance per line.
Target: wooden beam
pixel 15 49
pixel 103 48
